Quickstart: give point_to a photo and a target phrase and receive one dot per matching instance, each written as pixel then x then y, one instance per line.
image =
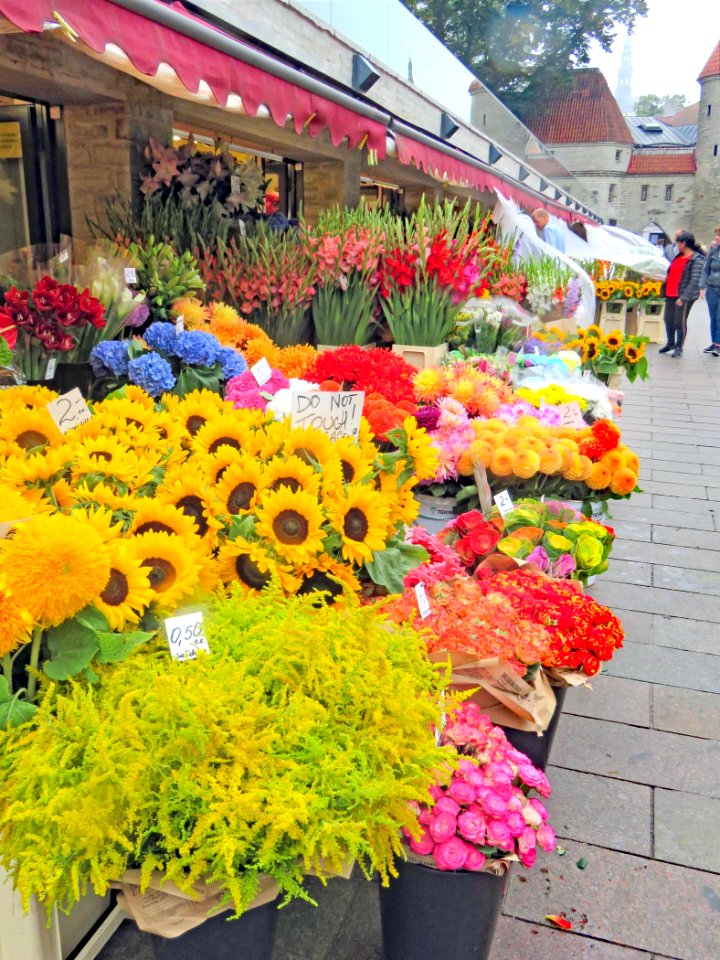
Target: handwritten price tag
pixel 504 502
pixel 336 414
pixel 422 601
pixel 69 410
pixel 51 368
pixel 235 184
pixel 130 275
pixel 261 371
pixel 63 256
pixel 185 636
pixel 571 415
pixel 6 527
pixel 179 325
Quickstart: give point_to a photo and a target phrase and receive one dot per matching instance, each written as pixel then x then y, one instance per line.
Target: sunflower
pixel 291 472
pixel 580 333
pixel 107 457
pixel 633 354
pixel 33 397
pixel 356 461
pixel 312 446
pixel 327 576
pixel 195 409
pixel 218 432
pixel 54 566
pixel 29 428
pixel 173 568
pixel 291 522
pixel 252 566
pixel 406 508
pixel 102 520
pixel 361 517
pixel 138 395
pixel 154 516
pixel 241 482
pixel 594 332
pixel 420 449
pixel 120 412
pixel 614 339
pixel 15 623
pixel 102 495
pixel 590 350
pixel 127 593
pixel 13 505
pixel 188 490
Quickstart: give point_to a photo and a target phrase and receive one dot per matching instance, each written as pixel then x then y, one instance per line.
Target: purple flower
pixel 428 417
pixel 564 566
pixel 539 557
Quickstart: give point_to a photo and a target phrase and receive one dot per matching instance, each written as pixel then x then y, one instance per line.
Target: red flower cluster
pixel 398 268
pixel 472 536
pixel 51 313
pixel 605 437
pixel 374 371
pixel 582 632
pixel 382 415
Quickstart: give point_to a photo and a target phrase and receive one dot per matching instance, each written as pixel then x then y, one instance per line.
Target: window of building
pixel 709 109
pixel 644 192
pixel 611 192
pixel 618 156
pixel 612 222
pixel 669 191
pixel 715 150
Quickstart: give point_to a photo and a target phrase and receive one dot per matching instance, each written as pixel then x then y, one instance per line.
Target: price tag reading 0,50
pixel 185 636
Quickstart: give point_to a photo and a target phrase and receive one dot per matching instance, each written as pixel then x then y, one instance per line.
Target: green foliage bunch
pixel 297 743
pixel 165 275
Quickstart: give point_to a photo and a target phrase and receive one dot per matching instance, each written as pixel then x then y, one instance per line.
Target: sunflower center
pixel 318 582
pixel 162 573
pixel 290 527
pixel 103 455
pixel 153 526
pixel 356 524
pixel 249 573
pixel 348 471
pixel 135 423
pixel 240 497
pixel 192 505
pixel 290 482
pixel 31 438
pixel 194 423
pixel 224 442
pixel 116 590
pixel 307 456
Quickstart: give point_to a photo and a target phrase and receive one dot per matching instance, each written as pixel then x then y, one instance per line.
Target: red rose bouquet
pixel 473 537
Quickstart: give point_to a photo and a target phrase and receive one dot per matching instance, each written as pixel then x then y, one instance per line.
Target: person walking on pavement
pixel 671 249
pixel 710 291
pixel 682 289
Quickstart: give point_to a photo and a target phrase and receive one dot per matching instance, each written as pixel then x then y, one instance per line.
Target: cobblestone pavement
pixel 636 762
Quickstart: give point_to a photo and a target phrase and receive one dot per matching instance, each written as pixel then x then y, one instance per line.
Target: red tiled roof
pixel 685 117
pixel 587 112
pixel 712 67
pixel 656 161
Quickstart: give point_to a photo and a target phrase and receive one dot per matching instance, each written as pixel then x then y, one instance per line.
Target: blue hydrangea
pixel 110 358
pixel 198 348
pixel 162 336
pixel 153 373
pixel 233 363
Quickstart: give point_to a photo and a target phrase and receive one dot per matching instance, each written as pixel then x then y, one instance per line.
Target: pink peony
pixel 452 854
pixel 424 845
pixel 493 804
pixel 515 823
pixel 448 805
pixel 461 791
pixel 443 827
pixel 527 859
pixel 546 838
pixel 475 860
pixel 499 835
pixel 472 827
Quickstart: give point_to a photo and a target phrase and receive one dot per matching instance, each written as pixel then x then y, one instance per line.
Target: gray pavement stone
pixel 585 807
pixel 128 943
pixel 688 558
pixel 682 537
pixel 661 516
pixel 686 829
pixel 683 504
pixel 515 939
pixel 612 698
pixel 667 666
pixel 692 581
pixel 668 473
pixel 630 530
pixel 655 600
pixel 710 470
pixel 638 756
pixel 629 571
pixel 700 636
pixel 676 486
pixel 637 626
pixel 691 712
pixel 663 909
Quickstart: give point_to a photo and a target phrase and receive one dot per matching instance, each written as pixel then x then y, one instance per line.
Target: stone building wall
pixel 671 215
pixel 706 212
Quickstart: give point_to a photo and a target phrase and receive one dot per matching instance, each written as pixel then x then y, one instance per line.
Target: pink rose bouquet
pixel 485 813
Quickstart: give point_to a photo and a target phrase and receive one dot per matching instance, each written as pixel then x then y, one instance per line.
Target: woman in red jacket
pixel 682 288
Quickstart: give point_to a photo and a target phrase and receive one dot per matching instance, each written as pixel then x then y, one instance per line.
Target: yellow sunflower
pixel 356 461
pixel 237 491
pixel 102 495
pixel 127 593
pixel 15 623
pixel 29 428
pixel 173 567
pixel 33 397
pixel 54 566
pixel 614 339
pixel 327 576
pixel 107 457
pixel 153 516
pixel 594 332
pixel 291 522
pixel 406 508
pixel 250 565
pixel 188 490
pixel 291 472
pixel 214 467
pixel 633 354
pixel 361 517
pixel 13 505
pixel 420 448
pixel 224 431
pixel 580 333
pixel 590 349
pixel 102 520
pixel 312 446
pixel 195 409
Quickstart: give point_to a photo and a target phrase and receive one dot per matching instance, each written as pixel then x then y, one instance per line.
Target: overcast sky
pixel 669 48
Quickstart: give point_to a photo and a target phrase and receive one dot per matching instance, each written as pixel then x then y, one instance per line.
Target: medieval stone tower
pixel 706 206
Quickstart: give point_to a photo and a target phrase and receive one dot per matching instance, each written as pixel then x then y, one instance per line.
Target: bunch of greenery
pixel 165 275
pixel 296 744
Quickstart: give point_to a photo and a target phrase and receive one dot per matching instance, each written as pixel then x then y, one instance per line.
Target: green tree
pixel 523 49
pixel 649 105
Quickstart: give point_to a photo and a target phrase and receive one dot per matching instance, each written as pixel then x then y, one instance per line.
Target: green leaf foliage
pixel 296 744
pixel 389 567
pixel 14 711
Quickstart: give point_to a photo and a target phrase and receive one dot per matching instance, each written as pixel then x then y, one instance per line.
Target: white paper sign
pixel 63 256
pixel 50 368
pixel 422 601
pixel 130 275
pixel 571 415
pixel 69 410
pixel 336 414
pixel 504 502
pixel 179 325
pixel 185 635
pixel 262 371
pixel 235 184
pixel 6 527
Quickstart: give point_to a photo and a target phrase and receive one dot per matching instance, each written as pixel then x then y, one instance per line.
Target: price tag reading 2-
pixel 504 502
pixel 185 636
pixel 262 371
pixel 69 410
pixel 422 601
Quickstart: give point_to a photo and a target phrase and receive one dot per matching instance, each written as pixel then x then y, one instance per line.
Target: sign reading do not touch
pixel 336 414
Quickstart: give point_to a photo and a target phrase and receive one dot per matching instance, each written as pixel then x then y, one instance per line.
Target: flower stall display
pixel 497 323
pixel 606 355
pixel 447 897
pixel 275 754
pixel 552 289
pixel 630 290
pixel 164 275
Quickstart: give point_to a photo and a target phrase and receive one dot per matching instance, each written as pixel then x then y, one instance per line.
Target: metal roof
pixel 665 136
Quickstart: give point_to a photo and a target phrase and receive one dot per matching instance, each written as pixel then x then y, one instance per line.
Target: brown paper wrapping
pixel 568 678
pixel 496 867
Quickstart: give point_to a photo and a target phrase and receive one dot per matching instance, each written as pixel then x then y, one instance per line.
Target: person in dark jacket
pixel 710 291
pixel 682 289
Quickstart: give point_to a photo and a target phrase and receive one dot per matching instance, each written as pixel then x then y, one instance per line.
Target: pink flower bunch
pixel 336 257
pixel 485 812
pixel 444 563
pixel 451 438
pixel 548 416
pixel 245 393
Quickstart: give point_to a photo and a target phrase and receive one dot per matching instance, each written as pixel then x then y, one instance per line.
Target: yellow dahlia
pixel 599 477
pixel 15 623
pixel 526 463
pixel 192 311
pixel 623 481
pixel 429 384
pixel 502 462
pixel 362 519
pixel 296 361
pixel 291 523
pixel 127 593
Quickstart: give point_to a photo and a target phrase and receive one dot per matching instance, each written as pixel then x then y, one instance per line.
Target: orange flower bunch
pixel 558 461
pixel 481 394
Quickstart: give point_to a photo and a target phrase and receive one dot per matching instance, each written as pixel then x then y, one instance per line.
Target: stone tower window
pixel 644 192
pixel 611 193
pixel 709 109
pixel 669 191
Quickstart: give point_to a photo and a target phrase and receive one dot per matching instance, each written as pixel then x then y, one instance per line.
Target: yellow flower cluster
pixel 552 395
pixel 479 393
pixel 592 344
pixel 627 289
pixel 529 449
pixel 231 330
pixel 147 503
